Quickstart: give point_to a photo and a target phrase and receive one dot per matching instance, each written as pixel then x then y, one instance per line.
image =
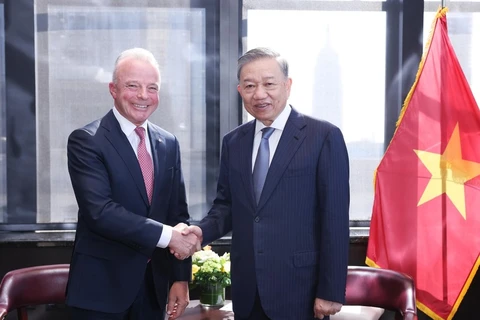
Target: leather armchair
pixel 381 288
pixel 32 286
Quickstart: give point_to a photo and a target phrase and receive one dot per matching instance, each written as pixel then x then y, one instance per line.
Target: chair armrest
pixel 355 312
pixel 410 316
pixel 3 313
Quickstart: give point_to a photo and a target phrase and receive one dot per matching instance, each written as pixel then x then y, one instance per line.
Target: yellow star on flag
pixel 449 173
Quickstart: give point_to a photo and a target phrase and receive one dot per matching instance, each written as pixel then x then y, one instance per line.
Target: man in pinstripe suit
pixel 290 249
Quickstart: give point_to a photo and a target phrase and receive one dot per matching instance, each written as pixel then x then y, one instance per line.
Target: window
pixel 463 20
pixel 352 63
pixel 72 49
pixel 338 74
pixel 72 87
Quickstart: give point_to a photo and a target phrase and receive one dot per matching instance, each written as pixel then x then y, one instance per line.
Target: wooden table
pixel 195 311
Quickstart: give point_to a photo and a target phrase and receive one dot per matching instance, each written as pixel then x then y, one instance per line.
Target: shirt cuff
pixel 165 237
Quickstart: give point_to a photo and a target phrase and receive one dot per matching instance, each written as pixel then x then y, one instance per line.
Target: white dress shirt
pixel 279 125
pixel 128 129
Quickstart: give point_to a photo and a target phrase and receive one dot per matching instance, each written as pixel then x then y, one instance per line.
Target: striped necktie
pixel 262 162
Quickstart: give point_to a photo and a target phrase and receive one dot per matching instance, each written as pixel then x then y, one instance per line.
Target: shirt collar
pixel 126 126
pixel 278 123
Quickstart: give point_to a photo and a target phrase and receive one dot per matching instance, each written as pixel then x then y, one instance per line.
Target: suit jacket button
pixel 257 219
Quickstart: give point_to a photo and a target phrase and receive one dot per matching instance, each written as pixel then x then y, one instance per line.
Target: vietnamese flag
pixel 426 211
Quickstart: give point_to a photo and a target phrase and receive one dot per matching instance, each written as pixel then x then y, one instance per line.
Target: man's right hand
pixel 194 230
pixel 183 245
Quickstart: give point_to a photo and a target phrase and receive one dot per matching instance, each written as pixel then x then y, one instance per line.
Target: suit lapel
pixel 245 159
pixel 292 138
pixel 157 142
pixel 117 138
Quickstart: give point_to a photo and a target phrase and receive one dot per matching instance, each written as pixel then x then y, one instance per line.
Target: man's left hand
pixel 178 299
pixel 324 308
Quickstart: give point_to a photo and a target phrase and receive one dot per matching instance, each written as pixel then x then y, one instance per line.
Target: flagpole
pixel 444 219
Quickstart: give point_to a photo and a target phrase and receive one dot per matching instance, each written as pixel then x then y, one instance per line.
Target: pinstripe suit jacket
pixel 293 245
pixel 117 229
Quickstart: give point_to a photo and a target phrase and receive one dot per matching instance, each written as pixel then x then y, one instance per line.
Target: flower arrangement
pixel 209 268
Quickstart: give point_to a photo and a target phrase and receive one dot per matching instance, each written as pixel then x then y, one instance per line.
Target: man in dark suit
pixel 290 238
pixel 121 267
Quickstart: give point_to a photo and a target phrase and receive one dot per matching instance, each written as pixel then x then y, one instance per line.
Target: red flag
pixel 426 217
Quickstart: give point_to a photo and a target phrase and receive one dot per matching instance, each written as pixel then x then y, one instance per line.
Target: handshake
pixel 185 241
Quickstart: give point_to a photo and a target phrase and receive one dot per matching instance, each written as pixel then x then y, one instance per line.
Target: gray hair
pixel 135 53
pixel 261 53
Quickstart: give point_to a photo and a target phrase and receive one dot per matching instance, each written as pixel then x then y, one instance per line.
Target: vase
pixel 212 295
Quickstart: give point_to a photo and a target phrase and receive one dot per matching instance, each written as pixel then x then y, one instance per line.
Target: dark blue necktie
pixel 262 163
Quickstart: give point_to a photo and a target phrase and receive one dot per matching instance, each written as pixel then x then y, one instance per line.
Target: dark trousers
pixel 144 307
pixel 257 312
